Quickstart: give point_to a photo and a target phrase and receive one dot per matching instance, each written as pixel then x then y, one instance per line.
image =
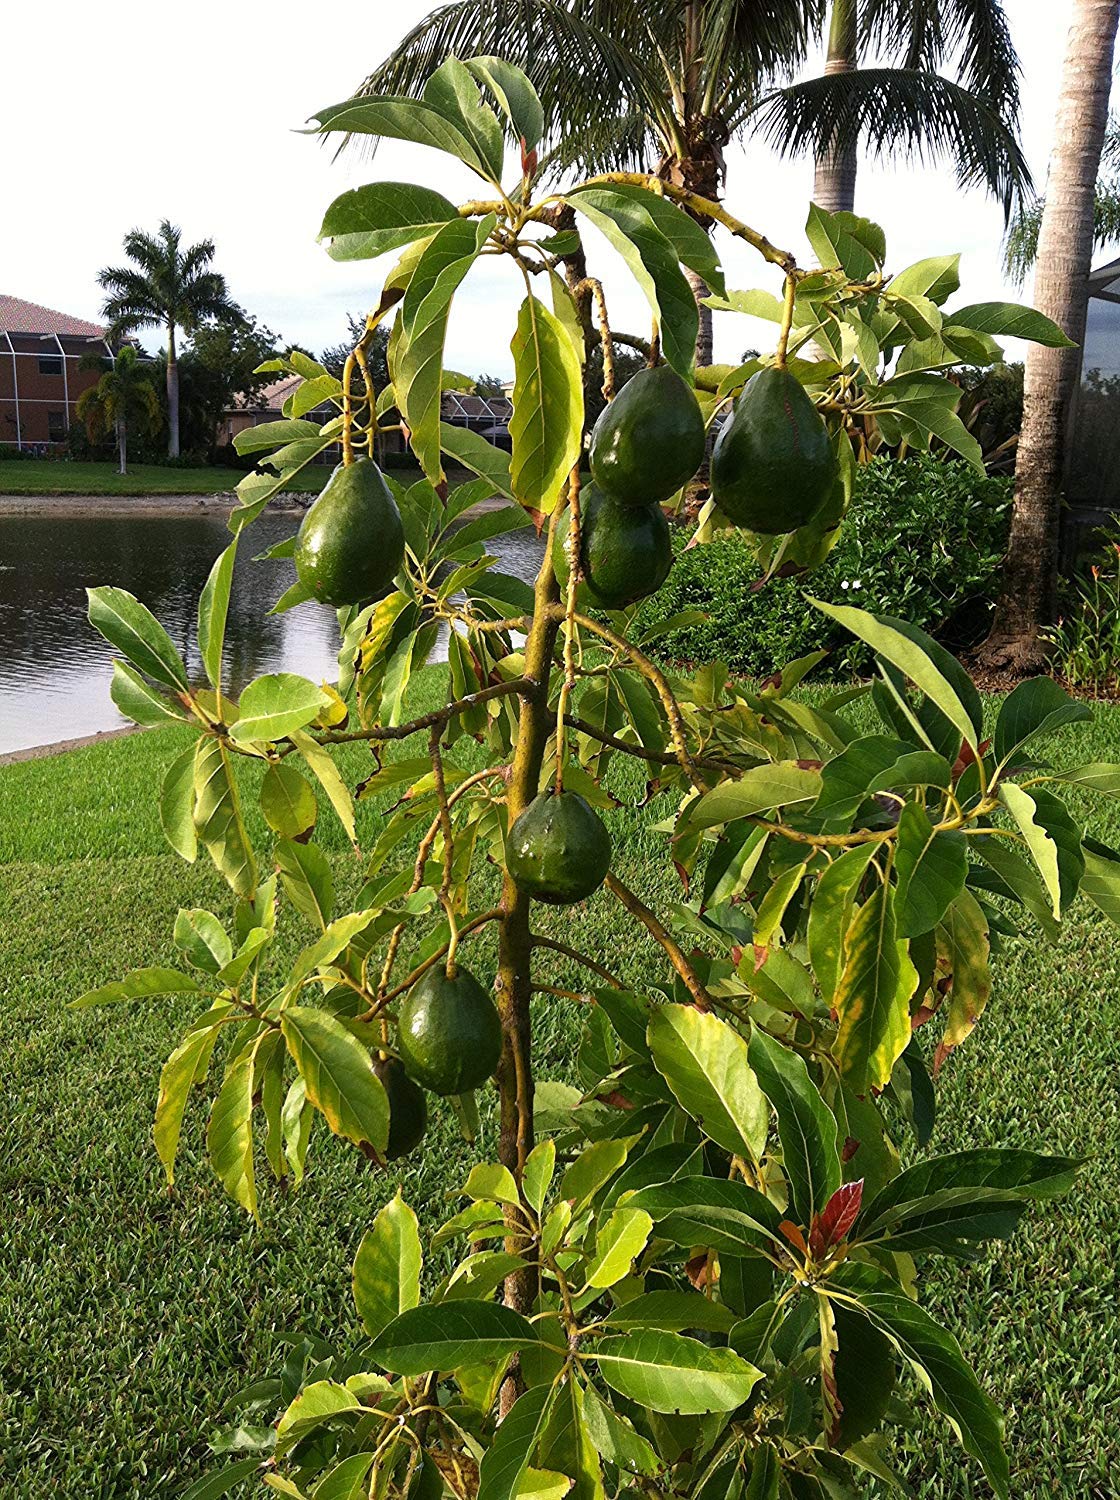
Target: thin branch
pixel 640 752
pixel 637 908
pixel 540 941
pixel 421 969
pixel 437 716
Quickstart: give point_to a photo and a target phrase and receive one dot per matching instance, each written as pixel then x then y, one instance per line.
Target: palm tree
pixel 123 399
pixel 166 287
pixel 629 84
pixel 1021 245
pixel 1061 291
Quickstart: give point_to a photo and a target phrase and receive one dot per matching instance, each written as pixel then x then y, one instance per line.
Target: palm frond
pixel 1020 246
pixel 892 112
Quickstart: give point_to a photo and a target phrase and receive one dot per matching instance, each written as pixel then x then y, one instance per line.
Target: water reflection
pixel 55 671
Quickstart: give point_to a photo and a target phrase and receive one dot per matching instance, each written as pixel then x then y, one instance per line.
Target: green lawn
pixel 45 476
pixel 128 1316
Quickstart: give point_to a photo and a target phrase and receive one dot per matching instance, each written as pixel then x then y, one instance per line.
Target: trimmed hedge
pixel 924 540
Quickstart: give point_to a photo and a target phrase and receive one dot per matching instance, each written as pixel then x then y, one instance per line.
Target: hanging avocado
pixel 408 1109
pixel 773 466
pixel 449 1033
pixel 350 545
pixel 558 850
pixel 650 439
pixel 625 550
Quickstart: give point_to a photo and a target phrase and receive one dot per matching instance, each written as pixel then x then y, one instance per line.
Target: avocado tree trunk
pixel 172 395
pixel 1061 291
pixel 834 177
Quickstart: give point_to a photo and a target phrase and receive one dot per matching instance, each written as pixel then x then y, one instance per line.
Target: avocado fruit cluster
pixel 449 1035
pixel 649 441
pixel 626 551
pixel 773 466
pixel 350 544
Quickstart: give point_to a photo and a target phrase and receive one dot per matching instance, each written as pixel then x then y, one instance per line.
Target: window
pixel 50 364
pixel 56 426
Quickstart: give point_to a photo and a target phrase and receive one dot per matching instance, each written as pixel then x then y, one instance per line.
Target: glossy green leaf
pixel 1011 320
pixel 937 278
pixel 404 119
pixel 141 984
pixel 451 1335
pixel 215 1485
pixel 678 1311
pixel 455 93
pixel 229 1134
pixel 382 216
pixel 593 1167
pixel 213 609
pixel 474 452
pixel 1027 1174
pixel 218 820
pixel 1101 881
pixel 203 939
pixel 296 1119
pixel 186 1066
pixel 137 634
pixel 307 879
pixel 844 239
pixel 176 805
pixel 338 1072
pixel 515 94
pixel 669 1373
pixel 267 435
pixel 1099 777
pixel 386 1276
pixel 547 423
pixel 491 1182
pixel 275 704
pixel 287 801
pixel 693 245
pixel 931 867
pixel 759 790
pixel 964 945
pixel 621 1238
pixel 1017 880
pixel 1036 707
pixel 319 762
pixel 724 1214
pixel 505 1461
pixel 317 1403
pixel 1052 838
pixel 830 916
pixel 872 995
pixel 766 1472
pixel 704 1061
pixel 537 1176
pixel 139 701
pixel 615 1438
pixel 806 1126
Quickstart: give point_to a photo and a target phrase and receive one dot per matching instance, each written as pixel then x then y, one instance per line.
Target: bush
pixel 9 452
pixel 924 541
pixel 1086 639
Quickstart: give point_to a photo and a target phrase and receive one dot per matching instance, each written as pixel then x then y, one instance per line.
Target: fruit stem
pixel 347 411
pixel 789 300
pixel 637 908
pixel 573 546
pixel 606 337
pixel 448 848
pixel 371 396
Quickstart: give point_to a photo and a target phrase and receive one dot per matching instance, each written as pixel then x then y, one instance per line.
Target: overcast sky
pixel 120 117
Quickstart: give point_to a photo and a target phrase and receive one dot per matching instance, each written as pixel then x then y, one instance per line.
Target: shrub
pixel 1086 639
pixel 924 541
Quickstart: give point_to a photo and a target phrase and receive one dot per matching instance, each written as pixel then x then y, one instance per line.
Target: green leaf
pixel 491 1182
pixel 615 1438
pixel 338 1072
pixel 936 278
pixel 873 995
pixel 229 1134
pixel 935 1357
pixel 1101 881
pixel 296 1119
pixel 766 1474
pixel 655 265
pixel 275 704
pixel 403 119
pixel 141 984
pixel 1027 1174
pixel 451 1335
pixel 287 801
pixel 1101 777
pixel 693 246
pixel 203 939
pixel 1016 880
pixel 843 239
pixel 759 790
pixel 593 1167
pixel 830 916
pixel 387 1267
pixel 453 91
pixel 417 362
pixel 668 1373
pixel 474 452
pixel 1052 837
pixel 137 634
pixel 213 609
pixel 504 1463
pixel 1036 707
pixel 1010 320
pixel 677 1311
pixel 547 423
pixel 368 221
pixel 176 805
pixel 139 701
pixel 723 1214
pixel 186 1066
pixel 214 1486
pixel 931 867
pixel 806 1126
pixel 620 1240
pixel 322 767
pixel 217 817
pixel 317 1403
pixel 306 875
pixel 963 942
pixel 705 1063
pixel 273 435
pixel 515 94
pixel 537 1176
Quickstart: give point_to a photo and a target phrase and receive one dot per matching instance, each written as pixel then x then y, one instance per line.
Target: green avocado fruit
pixel 773 466
pixel 408 1109
pixel 449 1035
pixel 649 441
pixel 558 850
pixel 350 545
pixel 625 550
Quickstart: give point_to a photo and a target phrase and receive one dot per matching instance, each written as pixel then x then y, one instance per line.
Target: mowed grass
pixel 47 476
pixel 129 1316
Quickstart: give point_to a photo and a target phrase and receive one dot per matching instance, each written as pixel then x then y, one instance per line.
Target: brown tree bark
pixel 834 176
pixel 1061 291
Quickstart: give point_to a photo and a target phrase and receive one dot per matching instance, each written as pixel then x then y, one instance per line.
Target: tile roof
pixel 18 316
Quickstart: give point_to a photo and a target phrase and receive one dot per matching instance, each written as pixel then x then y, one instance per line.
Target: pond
pixel 55 670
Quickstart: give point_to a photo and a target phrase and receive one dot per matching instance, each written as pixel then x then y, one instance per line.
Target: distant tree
pixel 334 356
pixel 167 287
pixel 488 385
pixel 1021 245
pixel 219 367
pixel 123 399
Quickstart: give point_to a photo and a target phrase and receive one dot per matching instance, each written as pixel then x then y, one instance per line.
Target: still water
pixel 55 670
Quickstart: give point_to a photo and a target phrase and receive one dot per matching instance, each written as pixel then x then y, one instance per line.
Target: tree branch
pixel 637 908
pixel 429 721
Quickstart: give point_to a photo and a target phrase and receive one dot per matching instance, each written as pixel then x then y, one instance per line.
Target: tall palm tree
pixel 1061 291
pixel 166 287
pixel 1021 245
pixel 123 399
pixel 629 85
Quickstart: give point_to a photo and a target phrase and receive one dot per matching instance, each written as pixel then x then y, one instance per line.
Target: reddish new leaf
pixel 835 1219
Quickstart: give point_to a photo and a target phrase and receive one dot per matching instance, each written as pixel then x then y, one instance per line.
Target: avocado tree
pixel 695 1271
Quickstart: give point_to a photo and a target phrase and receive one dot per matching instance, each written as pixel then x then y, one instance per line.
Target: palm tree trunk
pixel 122 446
pixel 834 179
pixel 172 395
pixel 1061 291
pixel 700 290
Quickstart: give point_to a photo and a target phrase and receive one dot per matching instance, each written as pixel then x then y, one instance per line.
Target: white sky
pixel 121 117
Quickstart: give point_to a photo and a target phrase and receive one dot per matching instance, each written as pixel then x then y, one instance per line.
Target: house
pixel 41 375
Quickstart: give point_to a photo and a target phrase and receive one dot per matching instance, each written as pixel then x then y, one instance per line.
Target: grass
pixel 47 476
pixel 128 1316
